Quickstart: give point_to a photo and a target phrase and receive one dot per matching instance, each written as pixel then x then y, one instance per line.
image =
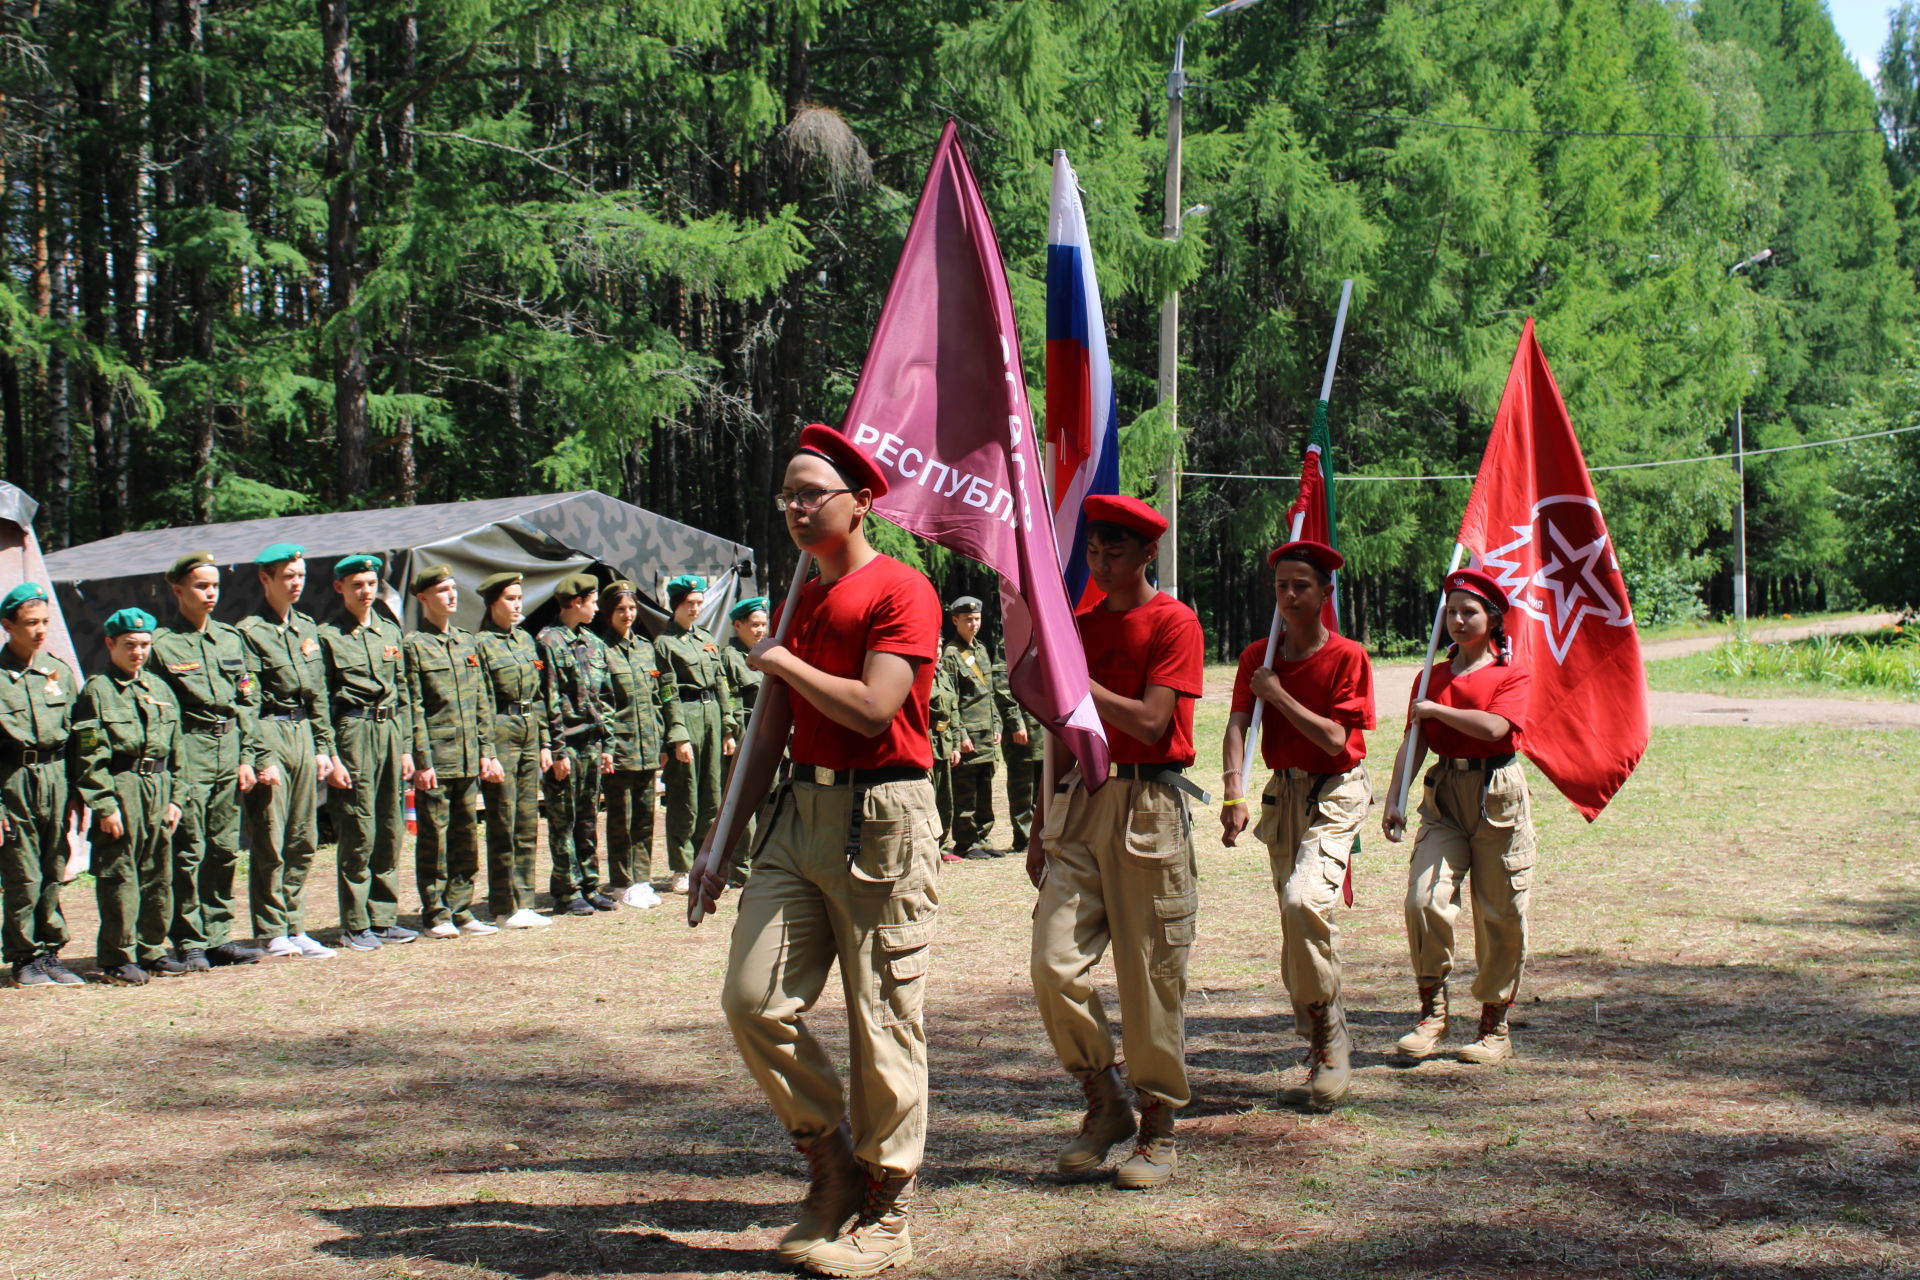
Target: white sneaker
pixel 681 883
pixel 311 949
pixel 479 927
pixel 445 929
pixel 525 918
pixel 641 895
pixel 284 947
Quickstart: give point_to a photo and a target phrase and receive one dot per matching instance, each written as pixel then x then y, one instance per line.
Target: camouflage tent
pixel 545 537
pixel 20 561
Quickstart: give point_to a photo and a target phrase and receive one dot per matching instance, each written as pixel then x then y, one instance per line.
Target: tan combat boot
pixel 835 1192
pixel 1491 1043
pixel 1109 1120
pixel 1329 1073
pixel 1432 1027
pixel 1153 1159
pixel 878 1240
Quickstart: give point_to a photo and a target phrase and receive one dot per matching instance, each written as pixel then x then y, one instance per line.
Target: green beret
pixel 575 585
pixel 741 611
pixel 493 584
pixel 359 562
pixel 25 593
pixel 685 583
pixel 126 620
pixel 187 564
pixel 430 577
pixel 280 553
pixel 621 584
pixel 965 604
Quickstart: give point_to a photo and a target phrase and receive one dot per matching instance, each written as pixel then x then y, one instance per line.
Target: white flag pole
pixel 1293 535
pixel 697 904
pixel 1410 739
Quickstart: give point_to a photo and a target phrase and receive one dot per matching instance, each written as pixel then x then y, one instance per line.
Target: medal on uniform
pixel 309 647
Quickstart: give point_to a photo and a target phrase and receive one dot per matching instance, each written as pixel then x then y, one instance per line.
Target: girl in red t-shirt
pixel 1475 821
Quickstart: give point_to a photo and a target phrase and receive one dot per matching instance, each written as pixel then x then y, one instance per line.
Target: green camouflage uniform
pixel 945 739
pixel 126 732
pixel 452 734
pixel 207 671
pixel 36 710
pixel 579 701
pixel 971 669
pixel 366 668
pixel 516 685
pixel 295 726
pixel 743 682
pixel 691 659
pixel 643 706
pixel 1025 761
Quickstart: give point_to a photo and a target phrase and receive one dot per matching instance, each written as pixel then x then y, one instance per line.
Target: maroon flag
pixel 1534 525
pixel 942 408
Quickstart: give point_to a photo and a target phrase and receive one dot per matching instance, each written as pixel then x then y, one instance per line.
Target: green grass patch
pixel 1874 664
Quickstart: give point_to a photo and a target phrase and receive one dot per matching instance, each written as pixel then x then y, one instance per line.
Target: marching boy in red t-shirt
pixel 1118 863
pixel 846 867
pixel 1319 696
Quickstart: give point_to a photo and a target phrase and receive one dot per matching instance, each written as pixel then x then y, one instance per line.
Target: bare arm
pixel 866 706
pixel 1144 719
pixel 1393 822
pixel 1233 750
pixel 1484 725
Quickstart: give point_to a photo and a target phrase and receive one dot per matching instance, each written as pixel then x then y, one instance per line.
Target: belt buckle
pixel 822 777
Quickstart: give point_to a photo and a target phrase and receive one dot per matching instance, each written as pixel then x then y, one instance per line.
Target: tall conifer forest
pixel 265 257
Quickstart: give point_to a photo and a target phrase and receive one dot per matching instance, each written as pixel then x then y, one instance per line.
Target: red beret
pixel 1318 554
pixel 1479 584
pixel 822 441
pixel 1128 513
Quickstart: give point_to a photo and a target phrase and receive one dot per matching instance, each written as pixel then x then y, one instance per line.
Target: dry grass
pixel 1717 1079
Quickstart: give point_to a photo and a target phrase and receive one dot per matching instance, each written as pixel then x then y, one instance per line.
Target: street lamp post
pixel 1169 482
pixel 1740 475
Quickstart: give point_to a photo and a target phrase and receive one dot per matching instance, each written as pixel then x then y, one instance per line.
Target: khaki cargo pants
pixel 1120 874
pixel 1485 837
pixel 1308 822
pixel 810 904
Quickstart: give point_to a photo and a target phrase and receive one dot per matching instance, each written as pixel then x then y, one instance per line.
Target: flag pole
pixel 1411 736
pixel 696 904
pixel 1293 534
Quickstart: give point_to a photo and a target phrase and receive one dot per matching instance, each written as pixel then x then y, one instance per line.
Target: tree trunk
pixel 403 159
pixel 198 181
pixel 343 216
pixel 59 419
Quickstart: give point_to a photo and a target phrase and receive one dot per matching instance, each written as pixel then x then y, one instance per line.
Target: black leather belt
pixel 1145 772
pixel 218 729
pixel 145 766
pixel 824 777
pixel 369 713
pixel 1172 775
pixel 297 714
pixel 516 709
pixel 696 693
pixel 14 755
pixel 1476 763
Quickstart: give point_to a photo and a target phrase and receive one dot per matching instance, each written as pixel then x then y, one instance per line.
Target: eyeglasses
pixel 806 502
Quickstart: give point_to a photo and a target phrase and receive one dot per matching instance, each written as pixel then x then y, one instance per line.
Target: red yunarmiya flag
pixel 1534 526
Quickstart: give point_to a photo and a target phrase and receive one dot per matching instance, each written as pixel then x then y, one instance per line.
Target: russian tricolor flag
pixel 1083 421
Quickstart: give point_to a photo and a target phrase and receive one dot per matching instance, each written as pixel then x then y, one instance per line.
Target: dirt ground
pixel 1718 1078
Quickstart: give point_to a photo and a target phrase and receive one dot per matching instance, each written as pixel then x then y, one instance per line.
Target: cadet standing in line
pixel 944 735
pixel 366 667
pixel 1476 822
pixel 1116 865
pixel 126 730
pixel 697 749
pixel 1319 696
pixel 1024 743
pixel 37 698
pixel 205 664
pixel 516 676
pixel 847 870
pixel 749 619
pixel 579 688
pixel 293 754
pixel 643 703
pixel 969 665
pixel 452 755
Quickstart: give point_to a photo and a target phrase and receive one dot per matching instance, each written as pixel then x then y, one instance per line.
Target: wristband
pixel 1236 800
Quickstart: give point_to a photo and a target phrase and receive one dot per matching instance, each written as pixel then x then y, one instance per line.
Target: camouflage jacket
pixel 366 667
pixel 644 702
pixel 288 672
pixel 516 673
pixel 691 659
pixel 125 716
pixel 36 700
pixel 970 667
pixel 1014 717
pixel 452 703
pixel 208 673
pixel 744 679
pixel 579 688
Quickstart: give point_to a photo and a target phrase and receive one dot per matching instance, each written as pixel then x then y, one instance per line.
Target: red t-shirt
pixel 1503 690
pixel 1334 681
pixel 881 607
pixel 1158 642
